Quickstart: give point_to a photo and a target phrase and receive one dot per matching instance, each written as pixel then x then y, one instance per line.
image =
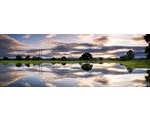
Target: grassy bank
pixel 145 63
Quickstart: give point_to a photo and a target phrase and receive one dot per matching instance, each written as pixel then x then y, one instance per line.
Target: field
pixel 136 63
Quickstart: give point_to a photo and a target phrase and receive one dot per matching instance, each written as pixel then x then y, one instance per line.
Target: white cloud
pixel 50 35
pixel 84 38
pixel 26 36
pixel 50 43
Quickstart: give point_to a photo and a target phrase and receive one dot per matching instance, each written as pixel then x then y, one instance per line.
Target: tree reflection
pixel 18 64
pixel 63 64
pixel 86 67
pixel 130 70
pixel 28 65
pixel 148 78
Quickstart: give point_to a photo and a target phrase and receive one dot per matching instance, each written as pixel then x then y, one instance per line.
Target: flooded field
pixel 73 75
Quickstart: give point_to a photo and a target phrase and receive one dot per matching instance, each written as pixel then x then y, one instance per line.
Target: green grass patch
pixel 144 63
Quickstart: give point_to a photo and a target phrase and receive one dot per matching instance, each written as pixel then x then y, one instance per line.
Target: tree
pixel 5 58
pixel 36 58
pixel 19 57
pixel 53 58
pixel 147 49
pixel 27 57
pixel 86 56
pixel 147 38
pixel 101 58
pixel 130 55
pixel 63 58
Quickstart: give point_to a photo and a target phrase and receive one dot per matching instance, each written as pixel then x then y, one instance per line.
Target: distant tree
pixel 101 58
pixel 53 58
pixel 36 58
pixel 5 58
pixel 27 57
pixel 18 57
pixel 130 55
pixel 86 67
pixel 63 58
pixel 86 56
pixel 147 49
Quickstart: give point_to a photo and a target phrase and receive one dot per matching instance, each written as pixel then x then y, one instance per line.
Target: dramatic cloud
pixel 9 45
pixel 26 36
pixel 50 35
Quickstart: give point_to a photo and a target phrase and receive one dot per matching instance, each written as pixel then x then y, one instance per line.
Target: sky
pixel 72 45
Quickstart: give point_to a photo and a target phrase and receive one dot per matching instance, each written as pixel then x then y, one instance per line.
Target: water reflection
pixel 72 75
pixel 148 78
pixel 28 65
pixel 18 64
pixel 63 63
pixel 130 70
pixel 86 66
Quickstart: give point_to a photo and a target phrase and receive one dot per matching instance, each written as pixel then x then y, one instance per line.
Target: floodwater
pixel 73 75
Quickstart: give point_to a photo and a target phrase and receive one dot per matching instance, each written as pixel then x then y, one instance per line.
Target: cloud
pixel 101 79
pixel 138 38
pixel 49 85
pixel 85 83
pixel 50 35
pixel 9 76
pixel 76 49
pixel 27 85
pixel 101 40
pixel 26 36
pixel 51 43
pixel 9 45
pixel 84 38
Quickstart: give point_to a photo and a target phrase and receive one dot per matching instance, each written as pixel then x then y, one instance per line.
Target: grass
pixel 144 63
pixel 136 63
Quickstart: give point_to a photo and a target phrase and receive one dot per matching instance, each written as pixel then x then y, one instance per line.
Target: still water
pixel 73 75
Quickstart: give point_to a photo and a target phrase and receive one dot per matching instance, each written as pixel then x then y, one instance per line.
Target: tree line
pixel 84 56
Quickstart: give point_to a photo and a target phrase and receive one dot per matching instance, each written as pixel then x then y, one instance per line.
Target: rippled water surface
pixel 72 75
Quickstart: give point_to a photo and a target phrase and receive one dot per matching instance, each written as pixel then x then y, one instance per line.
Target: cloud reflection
pixel 71 75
